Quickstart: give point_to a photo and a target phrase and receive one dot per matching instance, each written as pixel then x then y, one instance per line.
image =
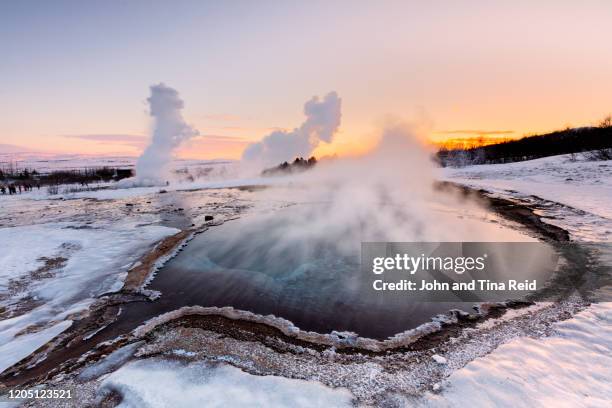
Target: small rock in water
pixel 439 359
pixel 208 218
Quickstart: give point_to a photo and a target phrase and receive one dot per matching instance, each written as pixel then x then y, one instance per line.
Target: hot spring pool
pixel 250 264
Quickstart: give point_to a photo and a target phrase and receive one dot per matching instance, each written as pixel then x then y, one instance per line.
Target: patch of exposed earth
pixel 16 299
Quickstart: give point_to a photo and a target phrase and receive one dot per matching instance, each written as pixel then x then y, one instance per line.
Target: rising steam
pixel 322 122
pixel 385 195
pixel 169 131
pixel 388 194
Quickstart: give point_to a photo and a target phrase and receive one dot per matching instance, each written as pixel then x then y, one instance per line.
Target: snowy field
pixel 572 367
pixel 48 162
pixel 52 271
pixel 584 187
pixel 581 184
pixel 60 252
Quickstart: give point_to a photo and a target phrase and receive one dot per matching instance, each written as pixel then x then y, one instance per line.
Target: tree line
pixel 594 142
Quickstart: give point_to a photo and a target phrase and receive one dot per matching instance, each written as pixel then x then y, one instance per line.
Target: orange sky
pixel 76 75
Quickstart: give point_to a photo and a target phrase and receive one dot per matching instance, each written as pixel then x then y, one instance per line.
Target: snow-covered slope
pixel 572 368
pixel 581 184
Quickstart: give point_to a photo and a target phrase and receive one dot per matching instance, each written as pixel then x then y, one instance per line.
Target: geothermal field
pixel 192 277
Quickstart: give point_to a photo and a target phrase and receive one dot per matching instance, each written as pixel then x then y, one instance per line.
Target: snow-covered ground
pixel 160 383
pixel 572 367
pixel 47 162
pixel 51 271
pixel 585 186
pixel 58 254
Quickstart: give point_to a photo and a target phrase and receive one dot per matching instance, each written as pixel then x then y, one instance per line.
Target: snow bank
pixel 569 369
pixel 162 383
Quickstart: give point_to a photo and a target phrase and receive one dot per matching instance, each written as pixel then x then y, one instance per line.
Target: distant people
pixel 3 189
pixel 19 186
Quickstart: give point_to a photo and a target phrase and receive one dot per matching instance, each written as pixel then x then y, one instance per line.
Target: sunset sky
pixel 75 74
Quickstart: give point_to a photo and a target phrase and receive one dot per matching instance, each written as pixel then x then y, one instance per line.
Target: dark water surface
pixel 251 265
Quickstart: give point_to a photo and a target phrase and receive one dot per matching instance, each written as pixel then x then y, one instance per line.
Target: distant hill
pixel 576 140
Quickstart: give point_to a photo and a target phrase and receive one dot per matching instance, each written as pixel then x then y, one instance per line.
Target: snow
pixel 111 362
pixel 47 162
pixel 22 346
pixel 163 383
pixel 113 190
pixel 581 184
pixel 571 368
pixel 92 255
pixel 439 359
pixel 51 271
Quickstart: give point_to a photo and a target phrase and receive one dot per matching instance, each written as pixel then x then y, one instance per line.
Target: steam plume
pixel 385 195
pixel 169 131
pixel 322 122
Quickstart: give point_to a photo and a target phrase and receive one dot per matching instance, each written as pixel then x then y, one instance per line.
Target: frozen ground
pixel 570 368
pixel 47 162
pixel 162 383
pixel 527 362
pixel 583 187
pixel 58 255
pixel 50 272
pixel 573 366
